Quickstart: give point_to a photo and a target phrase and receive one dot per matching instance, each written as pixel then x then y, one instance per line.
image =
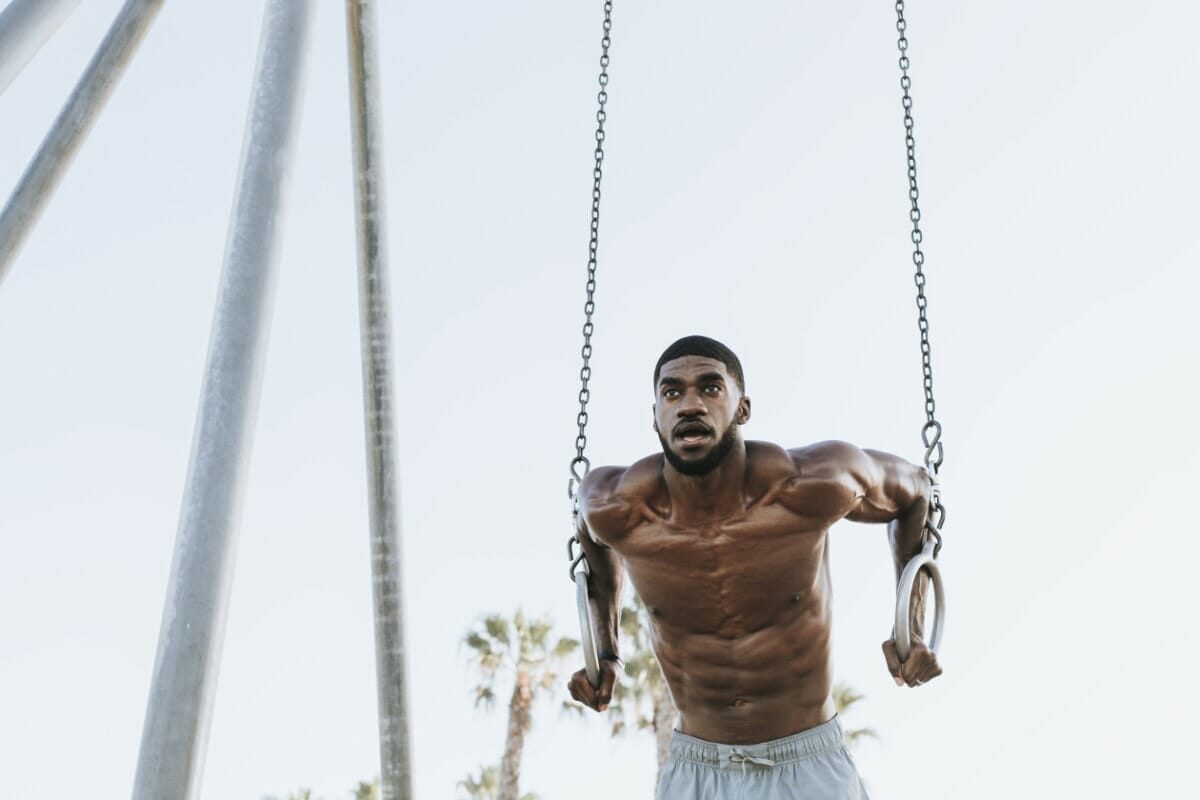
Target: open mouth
pixel 692 433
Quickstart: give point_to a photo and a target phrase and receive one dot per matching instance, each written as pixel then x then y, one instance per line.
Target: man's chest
pixel 735 573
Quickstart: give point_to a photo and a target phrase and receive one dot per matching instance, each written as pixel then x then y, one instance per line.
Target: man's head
pixel 700 403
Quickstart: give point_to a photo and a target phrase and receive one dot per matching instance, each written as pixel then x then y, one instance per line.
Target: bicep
pixel 600 512
pixel 604 563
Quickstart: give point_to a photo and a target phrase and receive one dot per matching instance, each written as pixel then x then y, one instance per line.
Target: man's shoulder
pixel 820 461
pixel 774 457
pixel 767 459
pixel 640 478
pixel 819 481
pixel 830 452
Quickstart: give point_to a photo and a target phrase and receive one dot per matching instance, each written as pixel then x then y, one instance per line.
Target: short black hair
pixel 706 347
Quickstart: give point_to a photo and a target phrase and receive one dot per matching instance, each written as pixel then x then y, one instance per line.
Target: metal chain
pixel 933 429
pixel 580 464
pixel 931 433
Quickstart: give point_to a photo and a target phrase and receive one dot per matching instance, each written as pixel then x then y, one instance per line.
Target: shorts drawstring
pixel 739 756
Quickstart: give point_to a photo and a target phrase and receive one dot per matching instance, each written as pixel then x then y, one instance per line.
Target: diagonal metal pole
pixel 26 25
pixel 72 126
pixel 378 402
pixel 175 733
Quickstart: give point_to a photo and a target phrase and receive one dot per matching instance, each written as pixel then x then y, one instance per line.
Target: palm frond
pixel 367 791
pixel 485 696
pixel 476 642
pixel 538 630
pixel 497 628
pixel 856 734
pixel 630 622
pixel 844 697
pixel 565 647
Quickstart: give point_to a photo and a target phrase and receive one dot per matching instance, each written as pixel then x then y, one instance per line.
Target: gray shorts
pixel 810 765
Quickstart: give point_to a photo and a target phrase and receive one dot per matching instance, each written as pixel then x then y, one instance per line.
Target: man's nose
pixel 692 405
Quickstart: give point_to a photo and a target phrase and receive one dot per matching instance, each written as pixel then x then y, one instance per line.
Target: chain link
pixel 580 464
pixel 932 432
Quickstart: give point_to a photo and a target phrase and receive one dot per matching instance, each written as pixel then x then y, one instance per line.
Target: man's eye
pixel 712 389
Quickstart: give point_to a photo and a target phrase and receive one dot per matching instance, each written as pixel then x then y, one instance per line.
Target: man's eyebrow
pixel 704 377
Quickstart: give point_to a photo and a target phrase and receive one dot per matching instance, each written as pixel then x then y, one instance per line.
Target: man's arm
pixel 606 575
pixel 888 489
pixel 898 494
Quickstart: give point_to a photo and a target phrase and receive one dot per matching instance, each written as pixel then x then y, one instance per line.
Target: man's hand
pixel 596 699
pixel 921 667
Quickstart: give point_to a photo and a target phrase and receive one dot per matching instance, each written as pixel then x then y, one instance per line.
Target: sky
pixel 755 192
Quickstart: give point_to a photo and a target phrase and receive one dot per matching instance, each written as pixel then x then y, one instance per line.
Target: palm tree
pixel 364 791
pixel 368 791
pixel 843 698
pixel 299 794
pixel 483 787
pixel 487 785
pixel 641 700
pixel 523 649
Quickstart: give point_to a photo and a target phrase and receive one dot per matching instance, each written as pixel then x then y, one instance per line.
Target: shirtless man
pixel 725 541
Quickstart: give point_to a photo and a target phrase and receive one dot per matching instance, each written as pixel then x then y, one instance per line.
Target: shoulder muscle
pixel 829 481
pixel 615 499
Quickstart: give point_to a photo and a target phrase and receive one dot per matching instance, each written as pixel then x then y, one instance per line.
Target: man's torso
pixel 739 600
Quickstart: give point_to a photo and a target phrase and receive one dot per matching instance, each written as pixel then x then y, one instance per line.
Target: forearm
pixel 604 593
pixel 906 534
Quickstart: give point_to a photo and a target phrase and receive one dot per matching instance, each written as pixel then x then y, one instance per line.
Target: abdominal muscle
pixel 741 629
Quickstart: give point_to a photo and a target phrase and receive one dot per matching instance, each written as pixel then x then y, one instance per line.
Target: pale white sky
pixel 755 192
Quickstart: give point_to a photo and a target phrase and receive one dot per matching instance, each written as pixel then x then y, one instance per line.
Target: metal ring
pixel 904 591
pixel 587 640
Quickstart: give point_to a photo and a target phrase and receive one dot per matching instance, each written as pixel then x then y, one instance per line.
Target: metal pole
pixel 175 733
pixel 72 126
pixel 26 25
pixel 378 402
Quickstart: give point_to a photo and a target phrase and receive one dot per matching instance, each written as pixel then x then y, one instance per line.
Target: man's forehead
pixel 686 366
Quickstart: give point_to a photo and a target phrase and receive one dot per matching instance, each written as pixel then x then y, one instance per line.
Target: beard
pixel 706 463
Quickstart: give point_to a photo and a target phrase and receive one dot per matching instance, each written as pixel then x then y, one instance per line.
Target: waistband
pixel 824 737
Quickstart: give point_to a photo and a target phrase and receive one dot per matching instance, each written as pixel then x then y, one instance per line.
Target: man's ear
pixel 654 416
pixel 743 412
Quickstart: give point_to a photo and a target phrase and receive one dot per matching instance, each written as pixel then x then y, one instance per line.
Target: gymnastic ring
pixel 587 639
pixel 904 591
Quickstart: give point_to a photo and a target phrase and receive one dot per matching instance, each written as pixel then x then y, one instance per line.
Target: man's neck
pixel 716 494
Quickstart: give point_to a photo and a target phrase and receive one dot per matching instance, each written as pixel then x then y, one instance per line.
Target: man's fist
pixel 596 699
pixel 921 667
